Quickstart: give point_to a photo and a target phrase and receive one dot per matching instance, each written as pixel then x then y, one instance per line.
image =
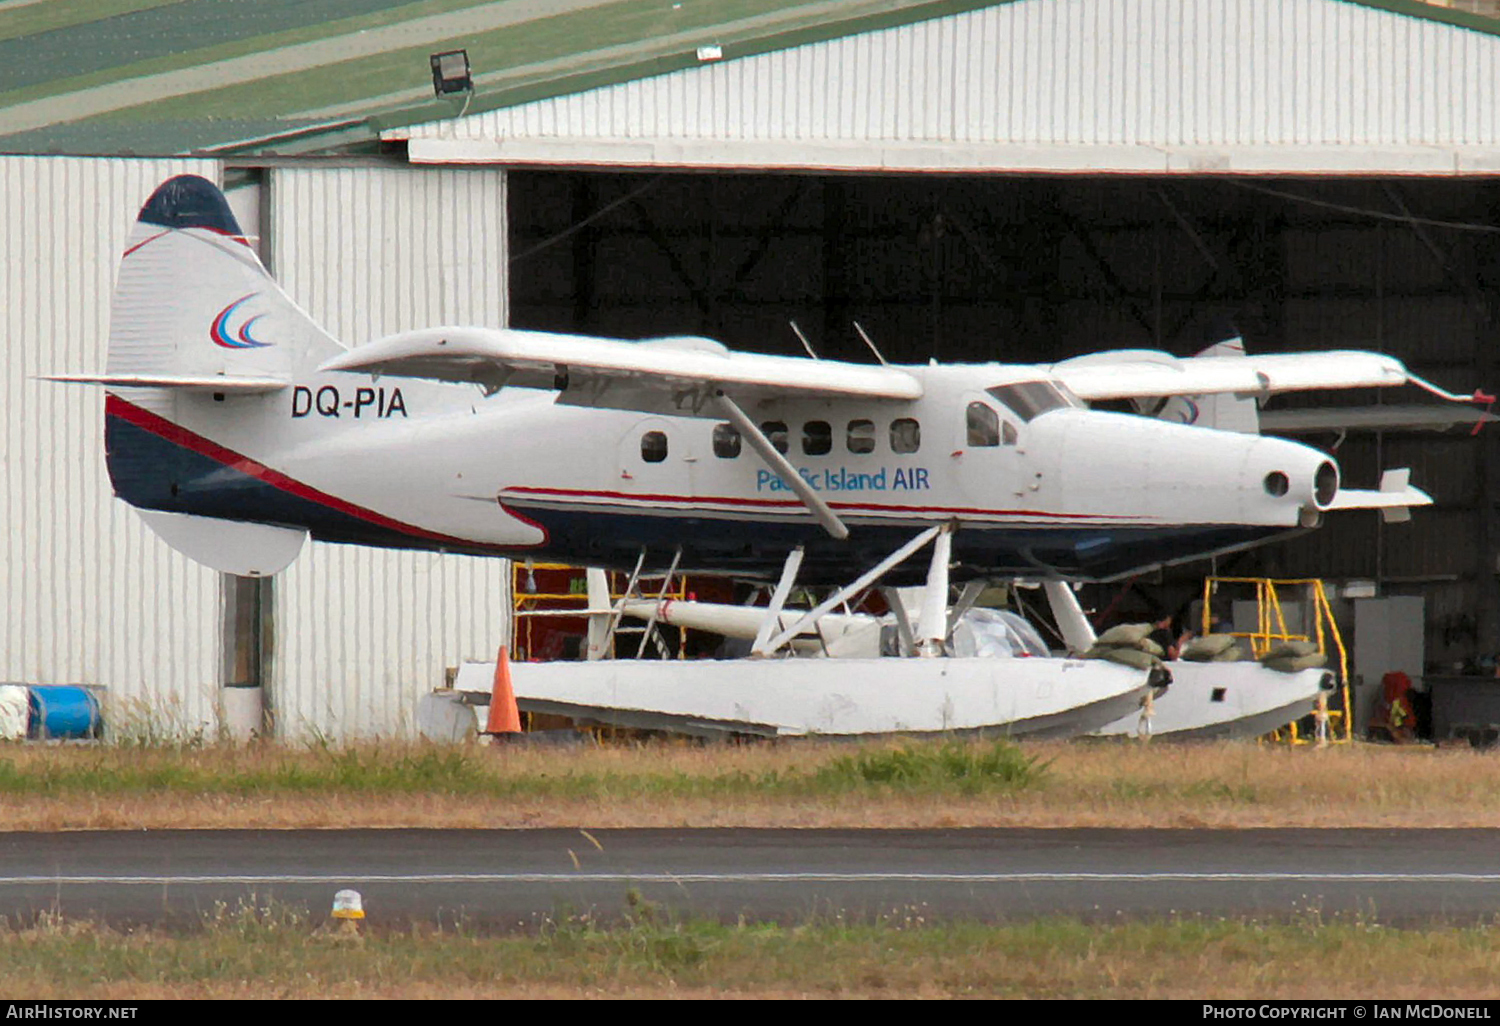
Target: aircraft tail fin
pixel 1225 411
pixel 199 332
pixel 193 300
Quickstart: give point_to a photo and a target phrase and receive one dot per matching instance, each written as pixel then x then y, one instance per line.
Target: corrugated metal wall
pixel 90 595
pixel 1122 72
pixel 362 633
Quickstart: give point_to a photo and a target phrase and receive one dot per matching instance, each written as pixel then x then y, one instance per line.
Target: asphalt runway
pixel 510 878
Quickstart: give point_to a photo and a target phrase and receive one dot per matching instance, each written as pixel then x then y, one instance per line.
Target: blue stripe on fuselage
pixel 757 548
pixel 156 473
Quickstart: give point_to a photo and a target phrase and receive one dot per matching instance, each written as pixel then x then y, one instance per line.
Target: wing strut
pixel 1077 632
pixel 779 463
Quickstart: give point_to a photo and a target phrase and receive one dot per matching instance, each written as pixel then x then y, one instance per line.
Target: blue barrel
pixel 62 710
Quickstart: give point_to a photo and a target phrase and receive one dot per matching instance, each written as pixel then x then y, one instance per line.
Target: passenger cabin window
pixel 653 446
pixel 861 436
pixel 775 430
pixel 817 438
pixel 726 441
pixel 906 435
pixel 983 425
pixel 1031 399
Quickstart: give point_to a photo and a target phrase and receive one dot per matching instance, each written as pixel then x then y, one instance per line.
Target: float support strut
pixel 932 626
pixel 778 599
pixel 848 591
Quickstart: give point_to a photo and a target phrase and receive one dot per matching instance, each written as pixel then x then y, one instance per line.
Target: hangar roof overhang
pixel 1350 87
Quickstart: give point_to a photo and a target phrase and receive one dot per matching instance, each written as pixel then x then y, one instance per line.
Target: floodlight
pixel 450 73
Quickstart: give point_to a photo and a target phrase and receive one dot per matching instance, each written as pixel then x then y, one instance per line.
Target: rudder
pixel 193 300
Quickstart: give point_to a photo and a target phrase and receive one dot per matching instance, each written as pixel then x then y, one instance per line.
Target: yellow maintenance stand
pixel 540 591
pixel 1333 725
pixel 551 599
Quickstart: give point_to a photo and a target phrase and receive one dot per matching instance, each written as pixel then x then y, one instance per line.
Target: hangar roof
pixel 275 76
pixel 172 76
pixel 1132 86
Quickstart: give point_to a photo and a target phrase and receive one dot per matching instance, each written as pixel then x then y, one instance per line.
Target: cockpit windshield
pixel 1030 399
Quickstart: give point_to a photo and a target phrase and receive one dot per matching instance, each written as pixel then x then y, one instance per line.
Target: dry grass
pixel 403 785
pixel 258 954
pixel 250 953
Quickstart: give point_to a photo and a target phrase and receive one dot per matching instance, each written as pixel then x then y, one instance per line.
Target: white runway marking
pixel 711 878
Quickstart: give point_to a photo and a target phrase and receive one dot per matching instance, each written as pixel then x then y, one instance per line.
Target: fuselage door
pixel 987 453
pixel 656 459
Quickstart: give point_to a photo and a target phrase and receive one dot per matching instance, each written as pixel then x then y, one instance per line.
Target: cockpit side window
pixel 1031 399
pixel 983 425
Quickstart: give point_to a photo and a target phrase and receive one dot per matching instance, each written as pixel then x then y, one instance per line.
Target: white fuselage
pixel 407 462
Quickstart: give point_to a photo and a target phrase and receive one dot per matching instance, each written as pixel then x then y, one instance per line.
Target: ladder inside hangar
pixel 1331 724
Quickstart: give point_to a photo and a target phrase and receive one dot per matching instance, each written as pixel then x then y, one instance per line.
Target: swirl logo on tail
pixel 219 331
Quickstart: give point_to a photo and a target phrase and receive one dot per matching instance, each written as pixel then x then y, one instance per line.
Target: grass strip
pixel 270 951
pixel 400 769
pixel 804 783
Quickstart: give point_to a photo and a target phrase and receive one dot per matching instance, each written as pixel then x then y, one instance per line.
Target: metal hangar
pixel 1020 180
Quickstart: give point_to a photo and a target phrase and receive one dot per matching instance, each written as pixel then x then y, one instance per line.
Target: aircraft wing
pixel 684 377
pixel 673 375
pixel 1132 374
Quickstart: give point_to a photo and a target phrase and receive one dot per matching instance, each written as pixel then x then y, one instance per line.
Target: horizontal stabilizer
pixel 229 546
pixel 1394 499
pixel 232 383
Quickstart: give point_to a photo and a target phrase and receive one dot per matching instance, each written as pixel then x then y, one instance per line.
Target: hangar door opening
pixel 1020 268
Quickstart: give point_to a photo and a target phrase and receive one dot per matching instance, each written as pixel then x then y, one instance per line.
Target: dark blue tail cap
pixel 188 201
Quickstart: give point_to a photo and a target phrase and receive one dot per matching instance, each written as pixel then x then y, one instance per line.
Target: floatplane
pixel 238 428
pixel 1205 700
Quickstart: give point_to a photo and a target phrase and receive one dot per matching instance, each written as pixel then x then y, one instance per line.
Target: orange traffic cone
pixel 505 718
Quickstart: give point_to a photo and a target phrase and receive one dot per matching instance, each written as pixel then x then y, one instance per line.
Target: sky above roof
pixel 164 77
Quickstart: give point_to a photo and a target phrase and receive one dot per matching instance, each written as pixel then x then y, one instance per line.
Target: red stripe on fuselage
pixel 852 507
pixel 114 406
